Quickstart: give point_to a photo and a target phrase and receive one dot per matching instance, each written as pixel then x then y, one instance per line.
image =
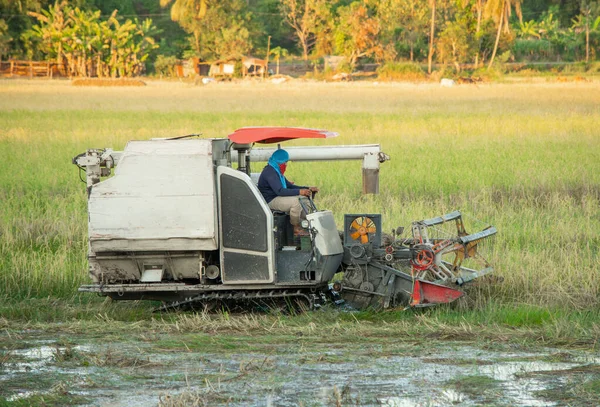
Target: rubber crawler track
pixel 311 297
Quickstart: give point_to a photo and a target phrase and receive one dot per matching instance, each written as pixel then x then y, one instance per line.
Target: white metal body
pixel 162 198
pixel 327 239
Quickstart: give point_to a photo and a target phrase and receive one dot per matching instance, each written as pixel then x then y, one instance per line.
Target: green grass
pixel 483 389
pixel 578 387
pixel 491 326
pixel 524 157
pixel 48 400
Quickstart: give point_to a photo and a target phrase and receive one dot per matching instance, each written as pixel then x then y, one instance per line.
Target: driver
pixel 280 193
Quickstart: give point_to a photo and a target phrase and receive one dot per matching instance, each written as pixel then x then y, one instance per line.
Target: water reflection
pixel 349 375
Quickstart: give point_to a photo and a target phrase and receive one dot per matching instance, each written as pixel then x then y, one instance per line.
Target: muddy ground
pixel 200 369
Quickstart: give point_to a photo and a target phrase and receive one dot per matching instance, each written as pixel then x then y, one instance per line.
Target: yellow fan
pixel 361 228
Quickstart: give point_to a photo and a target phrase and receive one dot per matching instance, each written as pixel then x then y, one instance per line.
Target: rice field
pixel 524 157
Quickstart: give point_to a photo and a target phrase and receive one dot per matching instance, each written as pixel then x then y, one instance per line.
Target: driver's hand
pixel 305 192
pixel 313 189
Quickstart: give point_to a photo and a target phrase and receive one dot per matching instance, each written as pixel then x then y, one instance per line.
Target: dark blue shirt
pixel 269 185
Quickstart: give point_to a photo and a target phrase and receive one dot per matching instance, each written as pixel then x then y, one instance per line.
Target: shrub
pixel 527 72
pixel 488 75
pixel 533 50
pixel 407 71
pixel 575 68
pixel 238 69
pixel 165 66
pixel 594 67
pixel 107 82
pixel 344 66
pixel 324 75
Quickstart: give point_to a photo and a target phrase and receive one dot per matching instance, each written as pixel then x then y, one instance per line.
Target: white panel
pixel 327 239
pixel 152 276
pixel 228 68
pixel 163 190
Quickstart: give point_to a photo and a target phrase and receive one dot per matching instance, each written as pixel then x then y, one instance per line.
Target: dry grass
pixel 107 82
pixel 64 354
pixel 5 358
pixel 191 398
pixel 498 324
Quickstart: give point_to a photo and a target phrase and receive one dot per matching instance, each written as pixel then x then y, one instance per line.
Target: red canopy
pixel 248 135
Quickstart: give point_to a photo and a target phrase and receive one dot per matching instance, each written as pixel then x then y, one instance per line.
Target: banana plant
pixel 50 30
pixel 529 29
pixel 89 46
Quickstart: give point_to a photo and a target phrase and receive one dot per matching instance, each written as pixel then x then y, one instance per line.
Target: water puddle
pixel 399 375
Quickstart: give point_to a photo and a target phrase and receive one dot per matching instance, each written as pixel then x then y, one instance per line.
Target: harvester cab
pixel 179 224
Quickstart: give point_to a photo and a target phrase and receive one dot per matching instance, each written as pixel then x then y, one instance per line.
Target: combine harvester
pixel 178 224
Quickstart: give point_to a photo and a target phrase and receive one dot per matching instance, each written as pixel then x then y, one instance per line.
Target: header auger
pixel 413 270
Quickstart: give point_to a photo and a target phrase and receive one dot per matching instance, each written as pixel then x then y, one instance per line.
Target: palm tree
pixel 431 35
pixel 279 52
pixel 188 14
pixel 183 9
pixel 581 22
pixel 501 10
pixel 479 6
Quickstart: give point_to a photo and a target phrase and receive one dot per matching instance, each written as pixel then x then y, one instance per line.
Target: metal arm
pixel 97 163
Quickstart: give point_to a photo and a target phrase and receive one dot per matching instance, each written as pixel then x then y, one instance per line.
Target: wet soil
pixel 202 370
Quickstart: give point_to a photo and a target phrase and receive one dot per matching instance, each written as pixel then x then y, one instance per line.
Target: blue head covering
pixel 279 157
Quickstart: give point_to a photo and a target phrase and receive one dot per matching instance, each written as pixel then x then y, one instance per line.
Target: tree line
pixel 116 38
